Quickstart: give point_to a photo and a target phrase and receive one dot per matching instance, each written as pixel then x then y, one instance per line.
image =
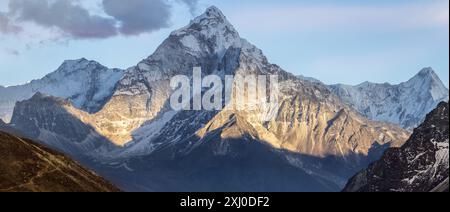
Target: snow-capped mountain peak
pixel 86 83
pixel 214 12
pixel 203 42
pixel 70 66
pixel 405 104
pixel 211 18
pixel 80 67
pixel 428 71
pixel 425 75
pixel 427 80
pixel 213 27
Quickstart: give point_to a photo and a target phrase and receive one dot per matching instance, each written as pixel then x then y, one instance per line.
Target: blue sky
pixel 345 41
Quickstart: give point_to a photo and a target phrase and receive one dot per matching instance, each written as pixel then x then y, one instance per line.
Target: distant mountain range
pixel 119 123
pixel 405 104
pixel 421 165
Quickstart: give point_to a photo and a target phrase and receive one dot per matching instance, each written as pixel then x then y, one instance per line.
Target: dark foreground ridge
pixel 26 166
pixel 421 165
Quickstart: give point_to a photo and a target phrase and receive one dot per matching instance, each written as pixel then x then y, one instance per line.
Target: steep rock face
pixel 312 132
pixel 26 166
pixel 144 90
pixel 405 104
pixel 218 50
pixel 313 138
pixel 56 123
pixel 421 165
pixel 87 84
pixel 9 129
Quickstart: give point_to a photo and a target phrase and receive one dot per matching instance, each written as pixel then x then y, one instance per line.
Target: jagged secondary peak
pixel 39 95
pixel 42 97
pixel 70 66
pixel 428 71
pixel 405 104
pixel 74 61
pixel 424 76
pixel 427 80
pixel 86 83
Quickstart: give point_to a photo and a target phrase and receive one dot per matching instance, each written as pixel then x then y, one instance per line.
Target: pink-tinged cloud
pixel 7 27
pixel 326 17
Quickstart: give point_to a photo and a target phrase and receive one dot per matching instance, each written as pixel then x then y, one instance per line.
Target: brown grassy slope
pixel 29 167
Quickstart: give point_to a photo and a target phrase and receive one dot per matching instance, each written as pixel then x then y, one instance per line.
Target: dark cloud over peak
pixel 138 16
pixel 72 20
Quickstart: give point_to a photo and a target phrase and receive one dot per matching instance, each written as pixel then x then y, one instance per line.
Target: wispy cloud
pixel 331 16
pixel 138 16
pixel 12 51
pixel 192 5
